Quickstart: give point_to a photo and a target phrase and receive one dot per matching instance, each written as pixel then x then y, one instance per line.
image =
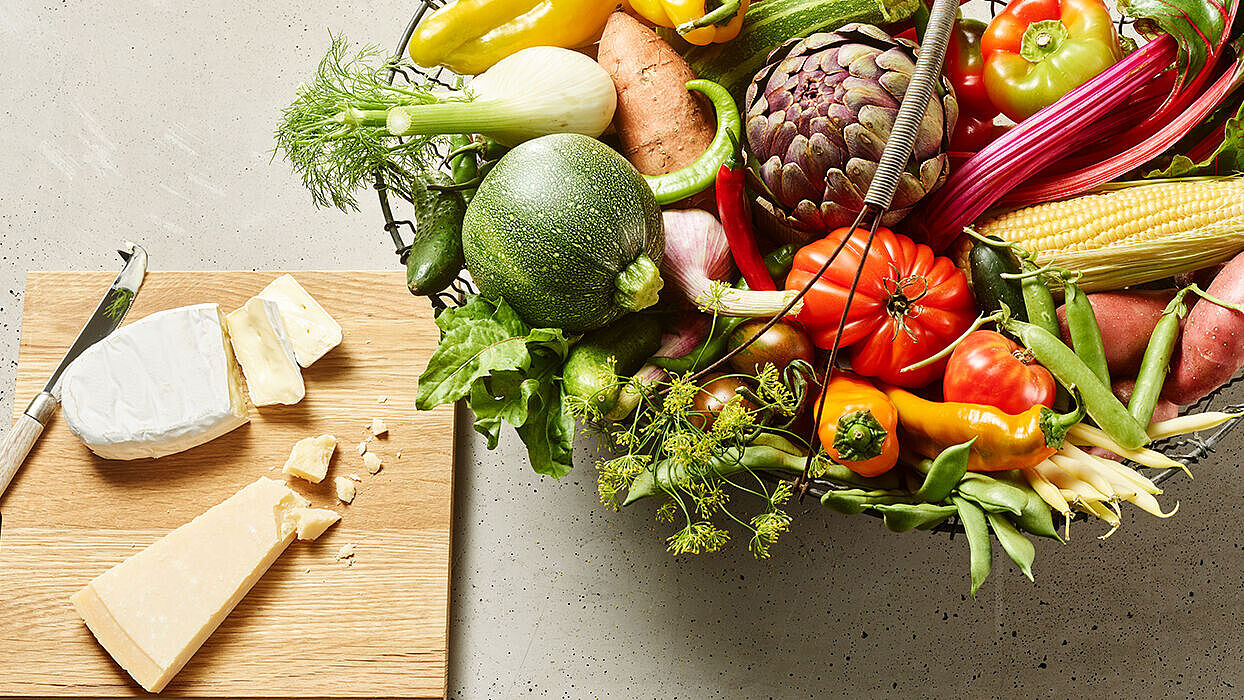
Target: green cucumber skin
pixel 588 373
pixel 435 257
pixel 987 265
pixel 769 24
pixel 552 226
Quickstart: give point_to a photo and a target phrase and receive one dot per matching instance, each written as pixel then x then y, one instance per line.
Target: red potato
pixel 1126 320
pixel 663 127
pixel 1211 350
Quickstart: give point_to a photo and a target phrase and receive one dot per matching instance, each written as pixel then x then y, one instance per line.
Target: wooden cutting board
pixel 312 626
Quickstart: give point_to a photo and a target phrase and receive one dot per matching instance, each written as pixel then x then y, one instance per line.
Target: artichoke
pixel 818 117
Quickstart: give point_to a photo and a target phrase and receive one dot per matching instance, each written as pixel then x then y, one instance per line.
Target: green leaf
pixel 468 352
pixel 1227 159
pixel 549 432
pixel 1197 26
pixel 504 396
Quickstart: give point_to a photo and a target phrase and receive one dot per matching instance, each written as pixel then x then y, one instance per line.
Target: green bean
pixel 837 473
pixel 1157 360
pixel 1038 301
pixel 977 529
pixel 1016 546
pixel 1036 517
pixel 854 501
pixel 901 517
pixel 992 495
pixel 1084 331
pixel 945 472
pixel 1071 371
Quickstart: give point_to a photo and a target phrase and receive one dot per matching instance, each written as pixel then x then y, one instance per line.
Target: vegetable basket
pixel 399 227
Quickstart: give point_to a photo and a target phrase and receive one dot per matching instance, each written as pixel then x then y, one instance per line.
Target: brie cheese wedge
pixel 265 353
pixel 158 386
pixel 311 330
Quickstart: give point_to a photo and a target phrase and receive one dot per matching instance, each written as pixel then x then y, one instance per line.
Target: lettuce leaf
pixel 508 371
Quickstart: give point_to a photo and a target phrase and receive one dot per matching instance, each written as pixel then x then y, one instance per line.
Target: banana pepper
pixel 469 36
pixel 1003 440
pixel 700 22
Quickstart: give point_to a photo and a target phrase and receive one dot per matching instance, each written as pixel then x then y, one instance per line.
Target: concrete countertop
pixel 153 120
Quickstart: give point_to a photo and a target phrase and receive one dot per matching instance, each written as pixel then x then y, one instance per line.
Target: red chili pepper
pixel 736 219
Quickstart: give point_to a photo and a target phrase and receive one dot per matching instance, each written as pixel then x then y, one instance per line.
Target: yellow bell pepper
pixel 469 36
pixel 693 19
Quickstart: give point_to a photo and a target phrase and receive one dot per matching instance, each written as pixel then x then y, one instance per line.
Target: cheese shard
pixel 310 523
pixel 372 462
pixel 311 330
pixel 265 353
pixel 310 457
pixel 154 610
pixel 345 489
pixel 158 386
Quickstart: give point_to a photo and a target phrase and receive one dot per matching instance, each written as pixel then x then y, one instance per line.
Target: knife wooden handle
pixel 22 436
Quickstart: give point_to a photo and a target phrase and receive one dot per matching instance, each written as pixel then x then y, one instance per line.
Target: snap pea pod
pixel 976 526
pixel 1157 360
pixel 854 501
pixel 1016 546
pixel 1100 402
pixel 832 471
pixel 945 472
pixel 1038 300
pixel 668 476
pixel 1085 332
pixel 992 495
pixel 901 517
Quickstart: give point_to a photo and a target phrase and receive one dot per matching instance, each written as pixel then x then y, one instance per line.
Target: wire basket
pixel 1189 449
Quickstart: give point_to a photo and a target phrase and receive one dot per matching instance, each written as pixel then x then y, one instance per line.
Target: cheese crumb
pixel 310 457
pixel 345 489
pixel 356 477
pixel 372 462
pixel 382 399
pixel 363 448
pixel 346 554
pixel 378 427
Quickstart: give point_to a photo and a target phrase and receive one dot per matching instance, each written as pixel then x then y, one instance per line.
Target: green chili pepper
pixel 702 173
pixel 668 476
pixel 992 495
pixel 462 160
pixel 977 529
pixel 1016 546
pixel 853 501
pixel 1157 360
pixel 1038 301
pixel 1084 331
pixel 1101 403
pixel 901 517
pixel 945 472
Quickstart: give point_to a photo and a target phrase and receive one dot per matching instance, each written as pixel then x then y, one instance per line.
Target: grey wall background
pixel 153 120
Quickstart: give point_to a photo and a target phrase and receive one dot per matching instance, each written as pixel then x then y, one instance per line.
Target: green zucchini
pixel 769 24
pixel 598 364
pixel 987 264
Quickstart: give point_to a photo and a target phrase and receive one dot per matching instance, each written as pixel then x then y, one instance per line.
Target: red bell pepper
pixel 965 67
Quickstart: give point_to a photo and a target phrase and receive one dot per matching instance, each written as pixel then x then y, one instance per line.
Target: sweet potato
pixel 1126 320
pixel 661 125
pixel 1211 350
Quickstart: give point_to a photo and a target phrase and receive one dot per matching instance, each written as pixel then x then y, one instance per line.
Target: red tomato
pixel 909 304
pixel 991 369
pixel 972 134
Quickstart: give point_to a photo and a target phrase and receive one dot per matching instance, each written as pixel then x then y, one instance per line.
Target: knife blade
pixel 108 315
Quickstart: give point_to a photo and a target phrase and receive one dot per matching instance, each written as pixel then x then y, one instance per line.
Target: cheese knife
pixel 107 317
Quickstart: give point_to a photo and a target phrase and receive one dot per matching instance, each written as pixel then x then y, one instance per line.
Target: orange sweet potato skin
pixel 1211 350
pixel 662 126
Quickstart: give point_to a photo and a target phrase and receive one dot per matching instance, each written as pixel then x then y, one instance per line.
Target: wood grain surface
pixel 312 626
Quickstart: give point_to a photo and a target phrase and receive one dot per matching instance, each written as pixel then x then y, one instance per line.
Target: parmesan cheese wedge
pixel 154 610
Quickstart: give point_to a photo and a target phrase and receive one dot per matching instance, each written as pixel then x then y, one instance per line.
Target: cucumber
pixel 987 265
pixel 435 257
pixel 769 24
pixel 603 358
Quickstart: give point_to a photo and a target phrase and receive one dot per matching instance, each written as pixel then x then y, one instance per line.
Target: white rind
pixel 156 387
pixel 311 330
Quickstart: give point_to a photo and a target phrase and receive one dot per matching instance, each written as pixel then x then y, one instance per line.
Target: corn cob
pixel 1134 233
